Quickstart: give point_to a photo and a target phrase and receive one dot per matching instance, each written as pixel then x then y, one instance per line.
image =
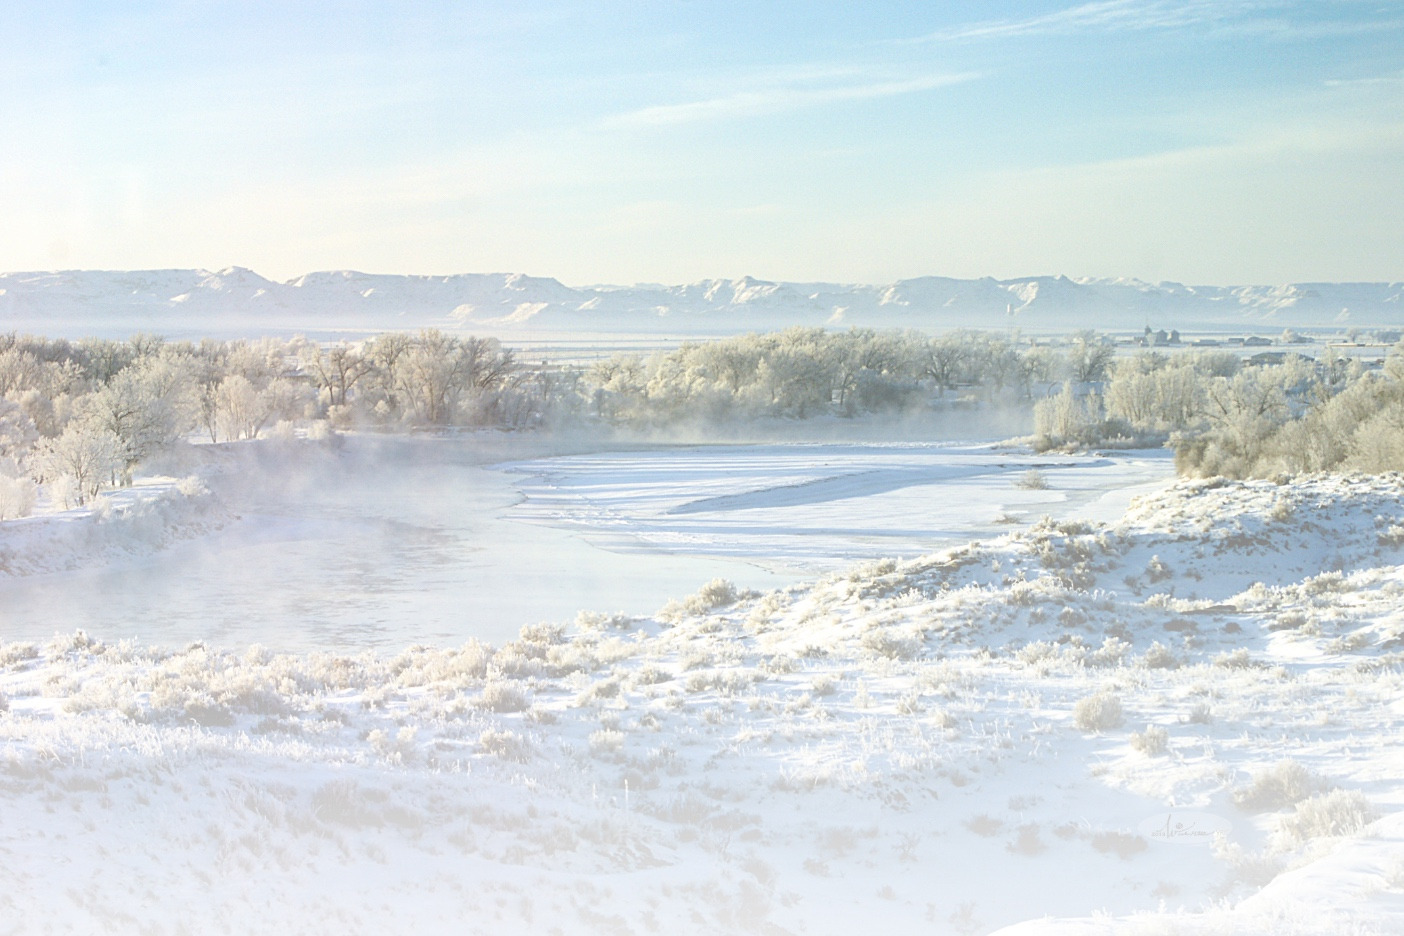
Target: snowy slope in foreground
pixel 983 737
pixel 240 301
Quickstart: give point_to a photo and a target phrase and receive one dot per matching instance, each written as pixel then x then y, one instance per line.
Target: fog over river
pixel 386 542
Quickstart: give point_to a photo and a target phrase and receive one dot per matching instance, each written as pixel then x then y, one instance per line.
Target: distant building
pixel 1264 358
pixel 1254 341
pixel 1160 338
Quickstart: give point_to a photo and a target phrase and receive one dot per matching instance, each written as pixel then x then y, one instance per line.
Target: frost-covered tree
pixel 337 370
pixel 1067 417
pixel 147 407
pixel 1088 357
pixel 86 453
pixel 17 432
pixel 1152 396
pixel 947 360
pixel 17 497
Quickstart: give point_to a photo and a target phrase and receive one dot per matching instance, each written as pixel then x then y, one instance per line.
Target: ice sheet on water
pixel 817 507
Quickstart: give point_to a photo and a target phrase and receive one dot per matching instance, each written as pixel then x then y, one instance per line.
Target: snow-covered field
pixel 1179 718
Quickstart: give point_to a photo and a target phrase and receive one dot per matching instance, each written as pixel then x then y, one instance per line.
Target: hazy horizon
pixel 719 278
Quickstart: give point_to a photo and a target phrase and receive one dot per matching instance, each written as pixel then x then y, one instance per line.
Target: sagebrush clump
pixel 1101 712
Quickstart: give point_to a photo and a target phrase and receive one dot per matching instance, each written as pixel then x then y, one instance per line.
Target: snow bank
pixel 130 523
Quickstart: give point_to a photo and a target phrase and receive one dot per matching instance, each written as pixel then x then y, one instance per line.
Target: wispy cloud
pixel 776 100
pixel 1102 15
pixel 1144 15
pixel 1397 78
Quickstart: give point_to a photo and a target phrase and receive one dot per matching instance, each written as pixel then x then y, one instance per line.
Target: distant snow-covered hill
pixel 237 300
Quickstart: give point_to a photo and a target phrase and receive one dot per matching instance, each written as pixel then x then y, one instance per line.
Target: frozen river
pixel 387 543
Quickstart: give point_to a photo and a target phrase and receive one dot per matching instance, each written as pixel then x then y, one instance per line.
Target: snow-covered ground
pixel 1182 720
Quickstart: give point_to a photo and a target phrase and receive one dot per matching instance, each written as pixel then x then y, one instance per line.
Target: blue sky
pixel 1204 141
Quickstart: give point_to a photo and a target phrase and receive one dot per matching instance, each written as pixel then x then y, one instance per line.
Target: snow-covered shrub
pixel 1288 620
pixel 421 666
pixel 1028 841
pixel 399 747
pixel 1111 653
pixel 17 652
pixel 502 696
pixel 186 702
pixel 1152 742
pixel 650 675
pixel 520 660
pixel 696 658
pixel 1285 784
pixel 1393 536
pixel 284 430
pixel 1032 480
pixel 65 492
pixel 571 657
pixel 910 703
pixel 1339 812
pixel 718 593
pixel 1327 583
pixel 600 689
pixel 729 682
pixel 345 803
pixel 984 825
pixel 588 621
pixel 894 644
pixel 17 496
pixel 1159 656
pixel 1200 714
pixel 77 643
pixel 1157 570
pixel 1100 712
pixel 507 745
pixel 1235 660
pixel 542 634
pixel 1035 652
pixel 1282 511
pixel 606 741
pixel 765 609
pixel 941 718
pixel 1252 869
pixel 1122 844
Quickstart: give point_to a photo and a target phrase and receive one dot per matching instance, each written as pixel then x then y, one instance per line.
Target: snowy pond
pixel 387 543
